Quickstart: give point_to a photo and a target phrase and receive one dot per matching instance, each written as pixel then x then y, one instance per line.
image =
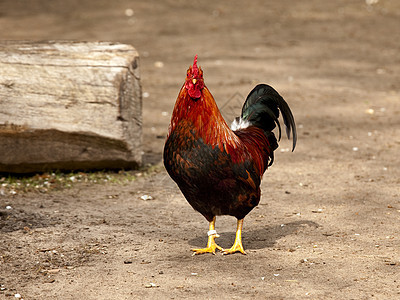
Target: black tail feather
pixel 262 107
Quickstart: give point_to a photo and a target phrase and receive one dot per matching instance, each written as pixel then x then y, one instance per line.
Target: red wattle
pixel 194 93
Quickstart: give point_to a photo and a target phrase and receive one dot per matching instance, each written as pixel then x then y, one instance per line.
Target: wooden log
pixel 69 105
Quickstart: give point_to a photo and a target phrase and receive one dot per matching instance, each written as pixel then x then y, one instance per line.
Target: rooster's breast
pixel 210 181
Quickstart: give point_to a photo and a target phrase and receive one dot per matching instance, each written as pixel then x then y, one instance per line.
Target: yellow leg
pixel 211 245
pixel 237 246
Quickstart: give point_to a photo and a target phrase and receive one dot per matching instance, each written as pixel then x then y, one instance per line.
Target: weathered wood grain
pixel 66 105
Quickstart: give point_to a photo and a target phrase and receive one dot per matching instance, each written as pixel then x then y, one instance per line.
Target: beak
pixel 194 80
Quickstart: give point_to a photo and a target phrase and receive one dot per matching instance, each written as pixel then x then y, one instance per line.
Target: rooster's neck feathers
pixel 196 105
pixel 203 119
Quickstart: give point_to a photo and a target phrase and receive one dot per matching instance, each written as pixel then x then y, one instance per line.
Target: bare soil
pixel 328 225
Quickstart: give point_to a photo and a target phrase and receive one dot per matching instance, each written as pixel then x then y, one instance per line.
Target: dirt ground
pixel 328 225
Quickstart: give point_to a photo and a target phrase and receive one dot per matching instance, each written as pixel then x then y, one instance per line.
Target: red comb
pixel 195 69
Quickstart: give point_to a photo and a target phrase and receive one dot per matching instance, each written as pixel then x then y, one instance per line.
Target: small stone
pixel 146 197
pixel 370 111
pixel 380 71
pixel 129 12
pixel 159 64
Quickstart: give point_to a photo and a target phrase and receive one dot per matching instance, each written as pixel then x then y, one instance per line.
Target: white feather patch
pixel 239 123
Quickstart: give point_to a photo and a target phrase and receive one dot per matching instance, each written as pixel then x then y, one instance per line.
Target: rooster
pixel 218 168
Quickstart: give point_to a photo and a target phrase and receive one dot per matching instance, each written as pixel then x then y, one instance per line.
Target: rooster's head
pixel 194 80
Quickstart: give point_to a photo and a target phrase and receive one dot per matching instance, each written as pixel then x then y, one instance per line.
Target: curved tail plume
pixel 262 108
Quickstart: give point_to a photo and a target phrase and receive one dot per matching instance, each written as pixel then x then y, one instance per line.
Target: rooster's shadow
pixel 265 237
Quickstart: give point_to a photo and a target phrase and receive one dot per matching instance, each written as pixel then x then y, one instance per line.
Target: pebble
pixel 159 64
pixel 371 2
pixel 146 197
pixel 53 271
pixel 129 12
pixel 369 111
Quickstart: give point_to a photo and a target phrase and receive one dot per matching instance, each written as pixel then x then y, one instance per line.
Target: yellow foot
pixel 211 246
pixel 237 247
